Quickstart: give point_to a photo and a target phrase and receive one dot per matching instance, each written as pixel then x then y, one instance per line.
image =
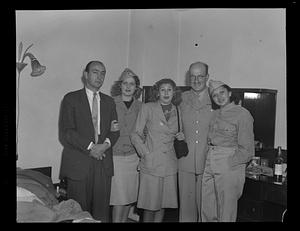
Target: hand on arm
pixel 137 136
pixel 114 132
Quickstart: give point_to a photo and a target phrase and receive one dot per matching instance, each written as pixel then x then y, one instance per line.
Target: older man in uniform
pixel 196 115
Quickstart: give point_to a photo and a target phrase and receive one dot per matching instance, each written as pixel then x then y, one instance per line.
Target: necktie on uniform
pixel 95 116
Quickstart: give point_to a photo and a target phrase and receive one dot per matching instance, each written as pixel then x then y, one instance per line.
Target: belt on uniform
pixel 217 147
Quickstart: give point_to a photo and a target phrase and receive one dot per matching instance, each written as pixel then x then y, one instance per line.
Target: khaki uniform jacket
pixel 196 116
pixel 156 147
pixel 232 127
pixel 126 118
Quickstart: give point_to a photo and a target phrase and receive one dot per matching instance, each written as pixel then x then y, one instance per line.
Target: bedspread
pixel 35 211
pixel 37 201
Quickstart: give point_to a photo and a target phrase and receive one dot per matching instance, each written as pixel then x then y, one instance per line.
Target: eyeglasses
pixel 198 77
pixel 131 84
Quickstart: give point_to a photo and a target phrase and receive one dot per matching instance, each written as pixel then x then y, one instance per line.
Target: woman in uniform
pixel 158 166
pixel 124 186
pixel 230 147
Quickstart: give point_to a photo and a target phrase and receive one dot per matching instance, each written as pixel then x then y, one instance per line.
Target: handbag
pixel 180 146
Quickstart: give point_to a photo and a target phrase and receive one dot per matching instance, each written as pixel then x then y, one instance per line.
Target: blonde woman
pixel 124 186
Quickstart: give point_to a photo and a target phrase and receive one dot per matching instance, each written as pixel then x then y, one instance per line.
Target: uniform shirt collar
pixel 200 96
pixel 228 107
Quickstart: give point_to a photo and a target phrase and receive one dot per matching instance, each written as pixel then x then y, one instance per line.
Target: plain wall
pixel 154 41
pixel 244 48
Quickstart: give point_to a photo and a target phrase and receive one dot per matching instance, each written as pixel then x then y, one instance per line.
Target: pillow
pixel 38 177
pixel 25 195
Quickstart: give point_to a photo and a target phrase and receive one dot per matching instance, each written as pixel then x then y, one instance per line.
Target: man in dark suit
pixel 88 128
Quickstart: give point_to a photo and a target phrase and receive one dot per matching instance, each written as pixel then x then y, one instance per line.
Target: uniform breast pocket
pixel 228 129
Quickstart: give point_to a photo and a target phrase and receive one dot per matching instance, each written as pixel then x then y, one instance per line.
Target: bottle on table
pixel 62 189
pixel 278 166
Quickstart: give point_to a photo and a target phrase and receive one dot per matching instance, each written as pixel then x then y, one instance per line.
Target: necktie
pixel 95 116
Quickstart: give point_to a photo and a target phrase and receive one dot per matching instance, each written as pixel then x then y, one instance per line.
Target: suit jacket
pixel 76 132
pixel 157 152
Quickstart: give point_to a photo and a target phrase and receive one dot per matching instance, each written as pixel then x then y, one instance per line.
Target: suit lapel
pixel 158 110
pixel 206 99
pixel 162 119
pixel 86 109
pixel 104 108
pixel 197 104
pixel 173 117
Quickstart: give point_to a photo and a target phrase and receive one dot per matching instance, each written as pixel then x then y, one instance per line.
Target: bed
pixel 37 200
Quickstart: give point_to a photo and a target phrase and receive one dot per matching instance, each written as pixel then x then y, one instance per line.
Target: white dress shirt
pixel 90 95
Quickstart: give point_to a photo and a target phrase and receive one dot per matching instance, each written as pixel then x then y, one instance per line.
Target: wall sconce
pixel 37 70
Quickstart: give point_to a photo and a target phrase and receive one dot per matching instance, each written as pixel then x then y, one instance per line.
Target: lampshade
pixel 37 68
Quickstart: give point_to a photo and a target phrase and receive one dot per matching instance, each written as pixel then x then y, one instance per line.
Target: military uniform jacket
pixel 155 145
pixel 196 116
pixel 232 126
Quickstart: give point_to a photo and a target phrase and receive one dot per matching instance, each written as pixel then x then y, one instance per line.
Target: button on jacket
pixel 232 126
pixel 196 116
pixel 126 118
pixel 156 149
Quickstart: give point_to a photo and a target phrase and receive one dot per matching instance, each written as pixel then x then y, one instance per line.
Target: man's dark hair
pixel 87 67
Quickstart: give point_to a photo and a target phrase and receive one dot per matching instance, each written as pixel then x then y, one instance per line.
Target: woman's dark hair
pixel 235 97
pixel 116 88
pixel 154 91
